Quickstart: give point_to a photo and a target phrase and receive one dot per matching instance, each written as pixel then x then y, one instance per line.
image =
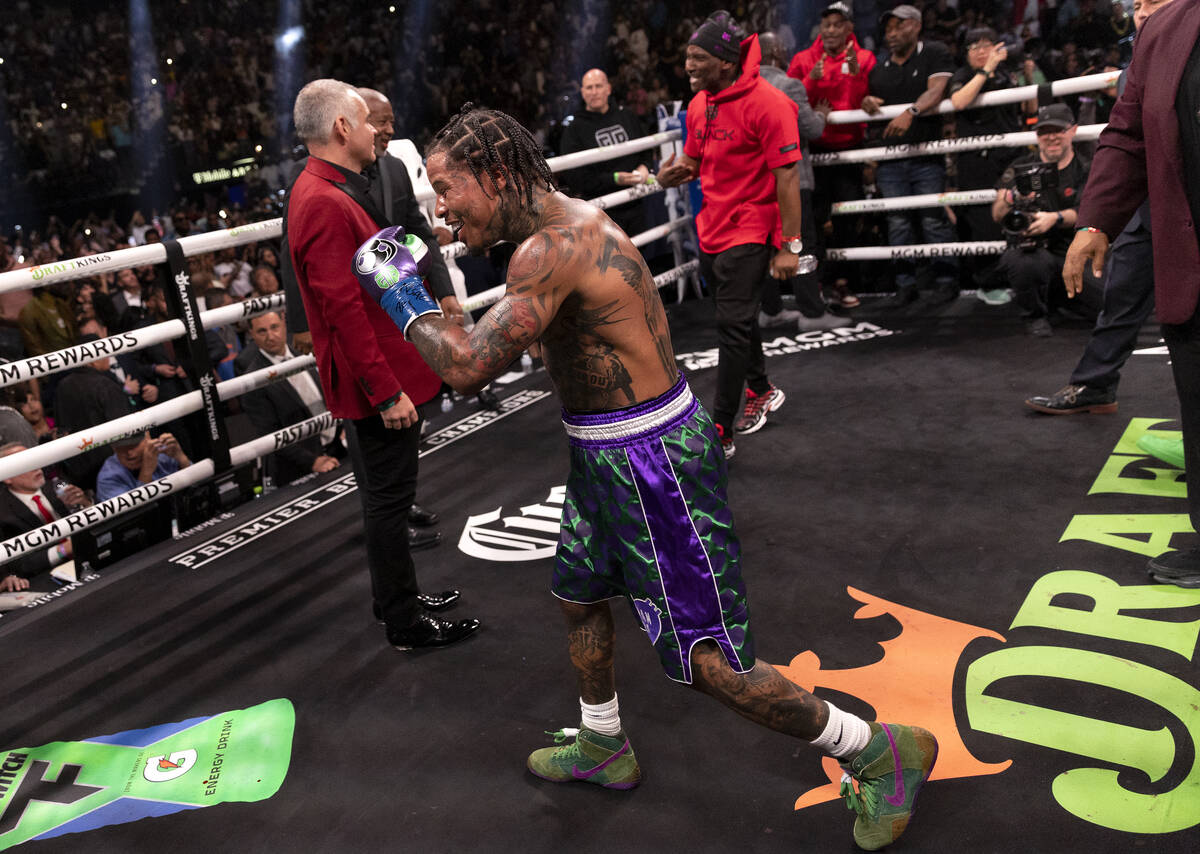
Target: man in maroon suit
pixel 1151 149
pixel 370 375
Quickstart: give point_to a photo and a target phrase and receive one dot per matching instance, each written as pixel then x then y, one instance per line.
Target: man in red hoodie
pixel 834 71
pixel 743 144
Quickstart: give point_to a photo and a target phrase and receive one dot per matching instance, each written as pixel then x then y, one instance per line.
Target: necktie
pixel 42 508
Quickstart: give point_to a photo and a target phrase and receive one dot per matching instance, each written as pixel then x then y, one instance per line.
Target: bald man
pixel 602 122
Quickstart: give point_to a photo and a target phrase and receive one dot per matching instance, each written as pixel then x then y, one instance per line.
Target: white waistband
pixel 635 425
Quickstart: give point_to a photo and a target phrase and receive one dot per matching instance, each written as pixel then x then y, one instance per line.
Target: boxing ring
pixel 905 558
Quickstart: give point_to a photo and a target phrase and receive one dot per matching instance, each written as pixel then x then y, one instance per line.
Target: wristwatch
pixel 793 244
pixel 915 110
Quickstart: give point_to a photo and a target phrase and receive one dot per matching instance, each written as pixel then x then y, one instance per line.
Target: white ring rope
pixel 908 203
pixel 916 251
pixel 997 97
pixel 74 444
pixel 133 340
pixel 198 471
pixel 943 146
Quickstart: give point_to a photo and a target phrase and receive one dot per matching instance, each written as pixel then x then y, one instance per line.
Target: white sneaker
pixel 828 320
pixel 786 317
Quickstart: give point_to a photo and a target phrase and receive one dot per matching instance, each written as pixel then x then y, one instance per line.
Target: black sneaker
pixel 1071 399
pixel 1171 567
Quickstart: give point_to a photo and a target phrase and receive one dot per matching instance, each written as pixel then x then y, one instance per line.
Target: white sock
pixel 844 734
pixel 602 718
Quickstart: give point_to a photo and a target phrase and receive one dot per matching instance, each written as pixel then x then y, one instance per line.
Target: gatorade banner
pixel 76 786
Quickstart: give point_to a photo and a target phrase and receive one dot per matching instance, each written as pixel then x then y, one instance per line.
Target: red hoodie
pixel 738 135
pixel 842 90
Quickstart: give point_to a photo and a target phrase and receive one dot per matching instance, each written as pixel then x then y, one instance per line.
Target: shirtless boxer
pixel 643 451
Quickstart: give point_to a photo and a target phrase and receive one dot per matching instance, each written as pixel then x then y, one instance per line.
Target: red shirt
pixel 738 136
pixel 842 90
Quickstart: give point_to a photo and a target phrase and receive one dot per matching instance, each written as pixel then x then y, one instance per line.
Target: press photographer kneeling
pixel 1035 205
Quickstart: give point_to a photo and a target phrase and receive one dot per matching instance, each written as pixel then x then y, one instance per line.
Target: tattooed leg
pixel 590 642
pixel 762 695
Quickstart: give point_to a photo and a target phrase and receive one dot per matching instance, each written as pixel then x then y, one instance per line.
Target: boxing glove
pixel 391 267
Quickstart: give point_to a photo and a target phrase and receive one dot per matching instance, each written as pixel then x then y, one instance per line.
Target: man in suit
pixel 370 375
pixel 27 503
pixel 1128 302
pixel 1151 150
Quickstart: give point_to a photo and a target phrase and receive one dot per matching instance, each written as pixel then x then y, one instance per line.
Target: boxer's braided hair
pixel 489 141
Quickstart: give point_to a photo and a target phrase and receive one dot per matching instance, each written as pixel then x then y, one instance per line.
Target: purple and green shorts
pixel 646 517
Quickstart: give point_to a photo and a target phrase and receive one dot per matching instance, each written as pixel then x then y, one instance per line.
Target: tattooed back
pixel 604 334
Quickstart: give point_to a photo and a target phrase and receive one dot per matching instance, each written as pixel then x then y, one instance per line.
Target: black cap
pixel 840 8
pixel 1054 116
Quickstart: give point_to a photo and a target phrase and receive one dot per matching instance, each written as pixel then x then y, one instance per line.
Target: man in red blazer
pixel 1151 149
pixel 370 375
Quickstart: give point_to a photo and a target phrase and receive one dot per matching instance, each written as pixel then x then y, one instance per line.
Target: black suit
pixel 15 519
pixel 274 407
pixel 85 398
pixel 391 198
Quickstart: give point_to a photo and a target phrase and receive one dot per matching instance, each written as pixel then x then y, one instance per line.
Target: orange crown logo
pixel 912 683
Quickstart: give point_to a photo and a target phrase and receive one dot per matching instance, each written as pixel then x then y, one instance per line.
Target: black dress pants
pixel 735 279
pixel 1128 302
pixel 385 468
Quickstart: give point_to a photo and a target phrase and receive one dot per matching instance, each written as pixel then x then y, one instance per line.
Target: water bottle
pixel 447 402
pixel 806 264
pixel 60 489
pixel 268 484
pixel 526 363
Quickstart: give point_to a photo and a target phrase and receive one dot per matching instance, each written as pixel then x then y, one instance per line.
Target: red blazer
pixel 1139 155
pixel 362 357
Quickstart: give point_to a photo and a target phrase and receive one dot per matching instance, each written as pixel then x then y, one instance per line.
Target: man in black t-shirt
pixel 1034 257
pixel 916 73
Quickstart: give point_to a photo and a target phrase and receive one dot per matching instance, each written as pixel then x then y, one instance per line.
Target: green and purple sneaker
pixel 889 771
pixel 607 761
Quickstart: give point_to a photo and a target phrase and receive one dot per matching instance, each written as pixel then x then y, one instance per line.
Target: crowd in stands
pixel 71 126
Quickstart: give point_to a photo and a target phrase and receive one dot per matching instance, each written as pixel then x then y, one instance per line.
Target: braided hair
pixel 489 141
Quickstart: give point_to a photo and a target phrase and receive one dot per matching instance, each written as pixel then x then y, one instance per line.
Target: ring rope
pixel 75 444
pixel 907 203
pixel 198 471
pixel 943 146
pixel 997 97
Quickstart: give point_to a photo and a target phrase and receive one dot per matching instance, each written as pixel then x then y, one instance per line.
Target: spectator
pixel 916 73
pixel 743 144
pixel 281 404
pixel 137 461
pixel 812 314
pixel 127 301
pixel 87 396
pixel 265 280
pixel 28 503
pixel 47 321
pixel 601 123
pixel 835 72
pixel 1033 261
pixel 985 71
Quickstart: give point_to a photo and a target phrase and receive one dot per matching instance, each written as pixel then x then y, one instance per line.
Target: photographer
pixel 1036 209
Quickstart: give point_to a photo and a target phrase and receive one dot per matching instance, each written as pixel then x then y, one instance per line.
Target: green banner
pixel 75 786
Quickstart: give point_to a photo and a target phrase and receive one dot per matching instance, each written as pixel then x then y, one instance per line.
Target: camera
pixel 1031 183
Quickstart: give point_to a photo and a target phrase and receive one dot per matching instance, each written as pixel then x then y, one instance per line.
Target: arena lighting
pixel 581 58
pixel 289 66
pixel 149 110
pixel 63 104
pixel 170 61
pixel 258 149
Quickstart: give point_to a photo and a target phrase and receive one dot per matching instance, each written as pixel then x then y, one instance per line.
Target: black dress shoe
pixel 488 399
pixel 418 539
pixel 1075 398
pixel 418 515
pixel 430 631
pixel 438 601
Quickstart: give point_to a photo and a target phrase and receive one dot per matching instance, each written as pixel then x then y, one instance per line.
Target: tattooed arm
pixel 470 360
